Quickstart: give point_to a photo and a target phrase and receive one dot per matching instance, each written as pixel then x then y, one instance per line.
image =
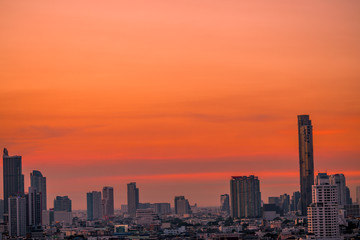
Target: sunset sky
pixel 178 95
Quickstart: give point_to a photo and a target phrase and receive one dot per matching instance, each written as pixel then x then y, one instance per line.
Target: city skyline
pixel 179 96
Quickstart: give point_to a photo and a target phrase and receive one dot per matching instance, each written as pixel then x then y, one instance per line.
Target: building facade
pixel 38 182
pixel 132 198
pixel 306 161
pixel 323 216
pixel 13 179
pixel 108 201
pixel 245 197
pixel 34 202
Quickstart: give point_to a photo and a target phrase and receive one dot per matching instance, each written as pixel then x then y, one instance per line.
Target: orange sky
pixel 178 95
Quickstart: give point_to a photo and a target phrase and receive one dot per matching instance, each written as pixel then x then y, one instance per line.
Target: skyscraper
pixel 182 205
pixel 38 182
pixel 339 181
pixel 132 198
pixel 62 203
pixel 295 199
pixel 13 179
pixel 358 195
pixel 306 160
pixel 17 216
pixel 34 207
pixel 323 211
pixel 245 197
pixel 225 203
pixel 108 201
pixel 94 206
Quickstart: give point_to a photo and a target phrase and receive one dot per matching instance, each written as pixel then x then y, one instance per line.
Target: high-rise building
pixel 285 203
pixel 295 200
pixel 17 216
pixel 1 209
pixel 13 179
pixel 108 201
pixel 339 181
pixel 162 208
pixel 245 197
pixel 358 195
pixel 225 203
pixel 348 198
pixel 306 160
pixel 34 207
pixel 38 182
pixel 62 203
pixel 182 205
pixel 323 211
pixel 94 206
pixel 132 198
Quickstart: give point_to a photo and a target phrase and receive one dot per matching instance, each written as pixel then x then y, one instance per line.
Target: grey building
pixel 17 216
pixel 182 205
pixel 162 208
pixel 225 203
pixel 132 198
pixel 295 200
pixel 339 181
pixel 94 205
pixel 38 182
pixel 62 203
pixel 306 161
pixel 13 179
pixel 245 197
pixel 108 201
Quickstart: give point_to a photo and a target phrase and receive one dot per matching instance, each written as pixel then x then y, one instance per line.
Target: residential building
pixel 108 201
pixel 17 216
pixel 225 203
pixel 245 197
pixel 94 205
pixel 132 198
pixel 323 216
pixel 62 203
pixel 182 205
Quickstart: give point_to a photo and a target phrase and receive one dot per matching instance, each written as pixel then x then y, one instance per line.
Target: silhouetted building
pixel 323 216
pixel 34 207
pixel 162 208
pixel 13 179
pixel 348 198
pixel 17 216
pixel 225 203
pixel 285 203
pixel 108 201
pixel 132 198
pixel 306 160
pixel 1 209
pixel 182 205
pixel 352 210
pixel 295 202
pixel 339 181
pixel 358 195
pixel 62 203
pixel 38 182
pixel 94 209
pixel 245 197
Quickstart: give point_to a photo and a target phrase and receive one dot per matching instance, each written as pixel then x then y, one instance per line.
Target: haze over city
pixel 178 96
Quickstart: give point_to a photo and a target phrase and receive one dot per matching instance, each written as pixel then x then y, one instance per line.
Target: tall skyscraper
pixel 358 195
pixel 182 205
pixel 323 211
pixel 17 216
pixel 339 181
pixel 108 201
pixel 306 160
pixel 34 202
pixel 225 203
pixel 245 197
pixel 13 179
pixel 94 205
pixel 38 182
pixel 132 198
pixel 62 203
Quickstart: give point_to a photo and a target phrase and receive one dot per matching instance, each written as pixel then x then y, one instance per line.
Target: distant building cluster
pixel 322 209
